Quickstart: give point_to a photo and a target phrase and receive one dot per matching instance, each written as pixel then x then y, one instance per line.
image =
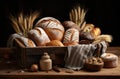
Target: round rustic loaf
pixel 52 27
pixel 39 36
pixel 70 24
pixel 71 37
pixel 86 36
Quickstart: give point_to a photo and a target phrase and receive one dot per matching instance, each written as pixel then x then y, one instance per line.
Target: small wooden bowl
pixel 91 66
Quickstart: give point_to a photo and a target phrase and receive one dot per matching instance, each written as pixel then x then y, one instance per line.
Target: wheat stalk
pixel 15 24
pixel 22 24
pixel 34 16
pixel 30 26
pixel 77 15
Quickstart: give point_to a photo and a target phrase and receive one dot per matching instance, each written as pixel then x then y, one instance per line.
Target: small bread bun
pixel 96 32
pixel 52 27
pixel 54 43
pixel 70 24
pixel 39 36
pixel 71 37
pixel 110 60
pixel 88 28
pixel 26 41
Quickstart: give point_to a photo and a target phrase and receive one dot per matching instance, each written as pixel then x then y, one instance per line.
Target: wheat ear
pixel 103 37
pixel 15 24
pixel 22 24
pixel 77 15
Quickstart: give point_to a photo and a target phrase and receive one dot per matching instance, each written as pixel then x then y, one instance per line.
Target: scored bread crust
pixel 23 40
pixel 39 36
pixel 26 41
pixel 52 27
pixel 71 36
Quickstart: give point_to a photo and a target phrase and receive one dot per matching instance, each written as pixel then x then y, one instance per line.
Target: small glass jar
pixel 45 62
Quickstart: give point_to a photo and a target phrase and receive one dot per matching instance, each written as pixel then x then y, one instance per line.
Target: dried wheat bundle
pixel 23 23
pixel 103 37
pixel 77 15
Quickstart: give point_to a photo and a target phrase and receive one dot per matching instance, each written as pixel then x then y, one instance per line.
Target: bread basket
pixel 26 56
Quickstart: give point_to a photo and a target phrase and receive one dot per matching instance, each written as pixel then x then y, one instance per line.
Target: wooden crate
pixel 26 56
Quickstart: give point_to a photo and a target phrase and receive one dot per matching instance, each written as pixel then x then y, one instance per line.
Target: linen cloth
pixel 76 55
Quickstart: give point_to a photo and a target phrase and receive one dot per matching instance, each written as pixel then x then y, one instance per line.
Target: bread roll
pixel 39 36
pixel 96 32
pixel 54 43
pixel 71 37
pixel 110 60
pixel 88 28
pixel 52 27
pixel 70 24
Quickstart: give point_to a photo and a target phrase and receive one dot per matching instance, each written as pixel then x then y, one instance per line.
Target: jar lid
pixel 45 56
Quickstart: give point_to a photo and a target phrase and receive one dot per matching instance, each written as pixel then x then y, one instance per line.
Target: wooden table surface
pixel 9 71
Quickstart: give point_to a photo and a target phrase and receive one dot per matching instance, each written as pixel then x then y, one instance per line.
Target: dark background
pixel 102 13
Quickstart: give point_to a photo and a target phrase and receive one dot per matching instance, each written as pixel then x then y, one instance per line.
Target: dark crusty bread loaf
pixel 70 24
